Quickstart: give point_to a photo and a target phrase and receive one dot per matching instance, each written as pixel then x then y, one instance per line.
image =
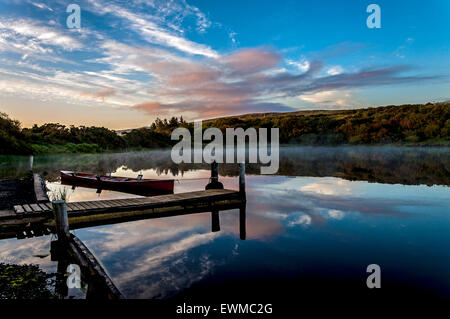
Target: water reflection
pixel 288 220
pixel 402 165
pixel 316 231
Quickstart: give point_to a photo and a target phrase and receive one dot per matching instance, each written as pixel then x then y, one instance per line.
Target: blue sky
pixel 132 61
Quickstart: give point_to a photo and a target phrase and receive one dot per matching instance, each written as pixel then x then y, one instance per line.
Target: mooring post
pixel 61 219
pixel 242 178
pixel 214 172
pixel 30 162
pixel 214 180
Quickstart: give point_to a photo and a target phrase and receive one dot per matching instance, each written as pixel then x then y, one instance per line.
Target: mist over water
pixel 402 165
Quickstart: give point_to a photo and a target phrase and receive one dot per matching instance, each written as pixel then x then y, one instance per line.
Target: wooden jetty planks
pixel 39 189
pixel 36 207
pixel 75 206
pixel 86 205
pixel 19 209
pixel 44 207
pixel 100 212
pixel 156 201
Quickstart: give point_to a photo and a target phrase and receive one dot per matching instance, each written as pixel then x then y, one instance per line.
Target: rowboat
pixel 127 184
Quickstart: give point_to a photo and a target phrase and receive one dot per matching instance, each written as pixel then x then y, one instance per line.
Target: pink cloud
pixel 252 60
pixel 101 94
pixel 239 83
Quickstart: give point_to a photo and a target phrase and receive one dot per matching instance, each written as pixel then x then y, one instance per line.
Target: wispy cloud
pixel 41 5
pixel 154 33
pixel 27 36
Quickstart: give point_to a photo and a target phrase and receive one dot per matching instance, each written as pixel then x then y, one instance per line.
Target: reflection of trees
pixel 24 282
pixel 404 165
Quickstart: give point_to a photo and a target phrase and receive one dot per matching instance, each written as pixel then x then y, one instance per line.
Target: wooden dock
pixel 37 219
pixel 102 206
pixel 27 220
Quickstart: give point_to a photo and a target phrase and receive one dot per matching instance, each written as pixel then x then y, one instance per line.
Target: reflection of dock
pixel 190 199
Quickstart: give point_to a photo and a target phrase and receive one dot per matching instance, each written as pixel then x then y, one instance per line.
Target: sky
pixel 133 61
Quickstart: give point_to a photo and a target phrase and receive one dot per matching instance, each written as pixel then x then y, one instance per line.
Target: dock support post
pixel 214 180
pixel 242 222
pixel 242 178
pixel 61 219
pixel 215 221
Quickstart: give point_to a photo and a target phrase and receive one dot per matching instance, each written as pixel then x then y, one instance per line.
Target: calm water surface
pixel 317 225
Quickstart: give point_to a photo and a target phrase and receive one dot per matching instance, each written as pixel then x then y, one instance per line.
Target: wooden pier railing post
pixel 242 178
pixel 61 219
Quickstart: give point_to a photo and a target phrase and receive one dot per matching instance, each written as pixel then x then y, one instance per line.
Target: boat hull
pixel 133 185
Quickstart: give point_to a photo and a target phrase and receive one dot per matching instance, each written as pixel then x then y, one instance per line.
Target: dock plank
pixel 95 204
pixel 76 206
pixel 39 189
pixel 19 209
pixel 44 207
pixel 36 207
pixel 101 204
pixel 86 205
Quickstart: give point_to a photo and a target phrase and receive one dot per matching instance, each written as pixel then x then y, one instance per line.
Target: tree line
pixel 427 124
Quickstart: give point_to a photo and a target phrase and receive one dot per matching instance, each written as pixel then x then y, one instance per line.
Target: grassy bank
pixel 65 148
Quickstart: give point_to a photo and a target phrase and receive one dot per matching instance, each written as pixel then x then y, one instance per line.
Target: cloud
pixel 335 70
pixel 246 81
pixel 152 32
pixel 151 107
pixel 251 61
pixel 101 94
pixel 41 5
pixel 303 65
pixel 26 35
pixel 331 99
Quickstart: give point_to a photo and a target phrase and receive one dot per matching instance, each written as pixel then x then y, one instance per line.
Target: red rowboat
pixel 116 182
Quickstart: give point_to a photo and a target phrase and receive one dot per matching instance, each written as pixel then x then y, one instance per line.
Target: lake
pixel 314 227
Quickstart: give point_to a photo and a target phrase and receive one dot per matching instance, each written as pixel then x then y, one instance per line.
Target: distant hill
pixel 278 114
pixel 423 124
